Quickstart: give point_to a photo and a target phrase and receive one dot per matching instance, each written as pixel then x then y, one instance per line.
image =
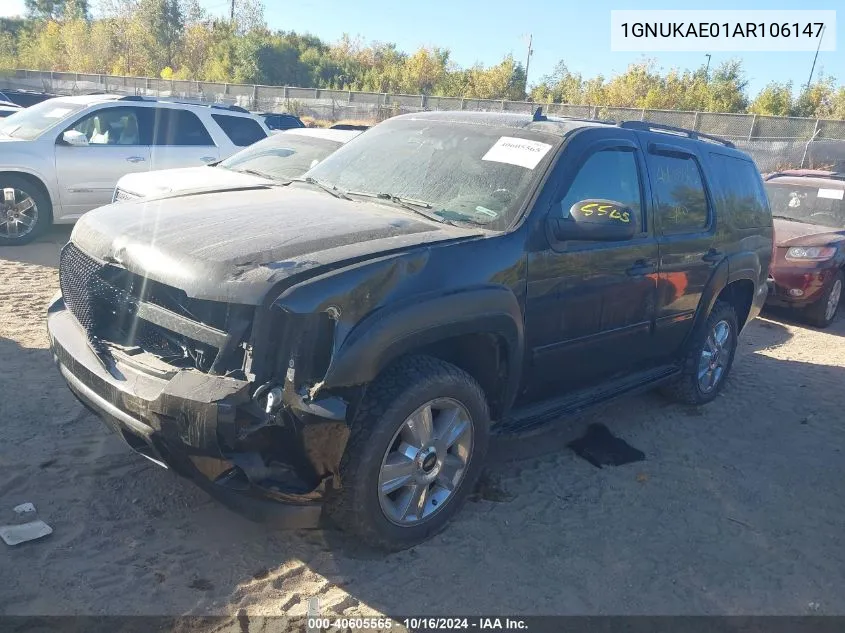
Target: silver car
pixel 64 156
pixel 282 156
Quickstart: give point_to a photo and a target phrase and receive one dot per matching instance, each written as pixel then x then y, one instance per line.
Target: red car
pixel 808 207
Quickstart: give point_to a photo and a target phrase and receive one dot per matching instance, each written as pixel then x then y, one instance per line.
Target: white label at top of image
pixel 711 31
pixel 517 151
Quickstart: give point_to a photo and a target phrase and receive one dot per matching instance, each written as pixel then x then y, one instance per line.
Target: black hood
pixel 233 245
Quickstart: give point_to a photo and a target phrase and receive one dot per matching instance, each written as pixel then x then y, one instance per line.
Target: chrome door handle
pixel 712 255
pixel 207 159
pixel 136 159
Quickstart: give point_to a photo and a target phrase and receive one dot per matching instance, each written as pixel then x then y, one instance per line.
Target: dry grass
pixel 314 122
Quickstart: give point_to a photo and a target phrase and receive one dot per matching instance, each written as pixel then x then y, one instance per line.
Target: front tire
pixel 823 312
pixel 25 210
pixel 708 359
pixel 415 452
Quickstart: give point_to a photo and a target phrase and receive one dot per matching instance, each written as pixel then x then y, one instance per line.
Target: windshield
pixel 281 156
pixel 810 204
pixel 460 172
pixel 31 122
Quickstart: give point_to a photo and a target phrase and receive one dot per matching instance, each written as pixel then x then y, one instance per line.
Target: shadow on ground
pixel 795 318
pixel 44 251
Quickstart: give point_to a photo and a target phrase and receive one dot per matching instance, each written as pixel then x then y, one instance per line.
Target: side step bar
pixel 541 413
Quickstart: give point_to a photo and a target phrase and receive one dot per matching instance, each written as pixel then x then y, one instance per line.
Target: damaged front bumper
pixel 274 467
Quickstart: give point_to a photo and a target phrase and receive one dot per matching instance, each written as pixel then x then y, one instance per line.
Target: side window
pixel 112 126
pixel 679 190
pixel 743 194
pixel 179 127
pixel 242 131
pixel 610 174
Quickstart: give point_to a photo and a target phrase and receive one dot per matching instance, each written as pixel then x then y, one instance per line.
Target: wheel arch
pixel 740 294
pixel 479 330
pixel 36 180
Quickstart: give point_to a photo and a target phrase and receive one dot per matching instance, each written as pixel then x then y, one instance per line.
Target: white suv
pixel 62 157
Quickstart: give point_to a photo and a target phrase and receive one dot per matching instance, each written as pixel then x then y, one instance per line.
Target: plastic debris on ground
pixel 22 532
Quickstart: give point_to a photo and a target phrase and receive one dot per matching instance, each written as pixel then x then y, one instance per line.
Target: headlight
pixel 121 195
pixel 811 253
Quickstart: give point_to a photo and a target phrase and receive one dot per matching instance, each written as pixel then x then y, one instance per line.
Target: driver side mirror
pixel 75 138
pixel 595 220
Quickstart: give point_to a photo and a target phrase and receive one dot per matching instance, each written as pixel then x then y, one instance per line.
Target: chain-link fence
pixel 774 142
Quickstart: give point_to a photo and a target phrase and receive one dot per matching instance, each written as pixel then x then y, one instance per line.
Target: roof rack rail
pixel 658 127
pixel 807 173
pixel 217 106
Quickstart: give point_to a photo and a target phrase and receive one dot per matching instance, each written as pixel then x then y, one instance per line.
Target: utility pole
pixel 528 60
pixel 232 11
pixel 812 70
pixel 707 69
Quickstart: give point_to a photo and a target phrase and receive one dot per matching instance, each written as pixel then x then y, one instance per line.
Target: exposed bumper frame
pixel 166 421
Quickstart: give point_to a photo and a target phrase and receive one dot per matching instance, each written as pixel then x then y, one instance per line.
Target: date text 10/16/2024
pixel 418 624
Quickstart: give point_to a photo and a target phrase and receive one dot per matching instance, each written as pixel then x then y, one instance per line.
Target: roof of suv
pixel 93 99
pixel 550 125
pixel 562 126
pixel 89 99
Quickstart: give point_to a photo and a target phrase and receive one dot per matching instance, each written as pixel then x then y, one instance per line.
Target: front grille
pixel 105 298
pixel 120 195
pixel 78 275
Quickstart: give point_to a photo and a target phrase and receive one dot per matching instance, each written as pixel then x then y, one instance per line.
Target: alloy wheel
pixel 425 462
pixel 715 356
pixel 833 300
pixel 18 214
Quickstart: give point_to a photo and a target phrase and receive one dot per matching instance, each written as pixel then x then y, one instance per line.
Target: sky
pixel 487 30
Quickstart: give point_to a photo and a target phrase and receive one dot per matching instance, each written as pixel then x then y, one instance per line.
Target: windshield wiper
pixel 786 217
pixel 337 193
pixel 255 172
pixel 411 204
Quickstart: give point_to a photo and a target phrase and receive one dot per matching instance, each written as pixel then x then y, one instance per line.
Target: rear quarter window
pixel 741 195
pixel 678 188
pixel 241 130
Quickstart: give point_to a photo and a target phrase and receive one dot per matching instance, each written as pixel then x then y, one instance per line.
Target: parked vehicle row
pixel 281 121
pixel 62 157
pixel 809 219
pixel 24 98
pixel 279 157
pixel 343 344
pixel 7 108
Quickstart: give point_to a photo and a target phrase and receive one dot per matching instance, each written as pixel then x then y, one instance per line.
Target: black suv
pixel 345 343
pixel 276 121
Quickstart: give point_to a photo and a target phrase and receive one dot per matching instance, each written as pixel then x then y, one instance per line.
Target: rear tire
pixel 704 375
pixel 823 312
pixel 26 213
pixel 389 410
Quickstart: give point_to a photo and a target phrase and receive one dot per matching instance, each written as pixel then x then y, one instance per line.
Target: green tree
pixel 775 99
pixel 56 9
pixel 162 26
pixel 819 100
pixel 727 88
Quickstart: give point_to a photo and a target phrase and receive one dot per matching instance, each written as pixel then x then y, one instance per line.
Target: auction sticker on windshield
pixel 833 194
pixel 57 113
pixel 517 151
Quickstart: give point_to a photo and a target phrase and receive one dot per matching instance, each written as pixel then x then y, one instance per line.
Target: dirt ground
pixel 738 508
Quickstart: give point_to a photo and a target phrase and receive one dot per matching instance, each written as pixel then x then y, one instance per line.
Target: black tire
pixel 390 399
pixel 686 388
pixel 42 204
pixel 816 313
